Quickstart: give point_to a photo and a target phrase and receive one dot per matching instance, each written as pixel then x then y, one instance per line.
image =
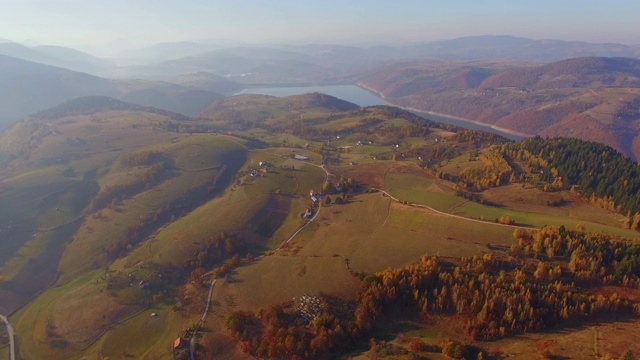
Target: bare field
pixel 530 199
pixel 592 340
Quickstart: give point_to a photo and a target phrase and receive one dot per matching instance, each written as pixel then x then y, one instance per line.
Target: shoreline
pixel 412 109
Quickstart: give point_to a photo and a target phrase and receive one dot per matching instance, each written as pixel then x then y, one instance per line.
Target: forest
pixel 593 168
pixel 554 280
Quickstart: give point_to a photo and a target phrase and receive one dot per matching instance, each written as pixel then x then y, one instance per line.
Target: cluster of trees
pixel 595 169
pixel 496 298
pixel 478 137
pixel 588 256
pixel 276 333
pixel 495 171
pixel 140 158
pixel 496 302
pixel 216 249
pixel 345 185
pixel 110 193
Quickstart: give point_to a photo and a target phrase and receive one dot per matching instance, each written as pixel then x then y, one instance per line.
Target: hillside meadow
pixel 121 221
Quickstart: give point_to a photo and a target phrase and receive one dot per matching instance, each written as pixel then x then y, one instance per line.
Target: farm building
pixel 300 157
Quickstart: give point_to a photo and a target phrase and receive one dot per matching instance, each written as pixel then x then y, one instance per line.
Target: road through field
pixel 451 215
pixel 12 344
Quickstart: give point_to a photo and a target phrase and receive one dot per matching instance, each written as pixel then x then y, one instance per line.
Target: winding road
pixel 12 344
pixel 327 175
pixel 449 214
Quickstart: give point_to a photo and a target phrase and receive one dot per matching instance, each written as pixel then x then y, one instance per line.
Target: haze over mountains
pixel 147 195
pixel 498 80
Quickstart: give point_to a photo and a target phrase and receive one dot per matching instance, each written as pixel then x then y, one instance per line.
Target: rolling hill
pixel 590 98
pixel 124 227
pixel 58 56
pixel 329 63
pixel 27 87
pixel 209 82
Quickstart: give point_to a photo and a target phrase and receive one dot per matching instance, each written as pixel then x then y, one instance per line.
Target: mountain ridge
pixel 592 98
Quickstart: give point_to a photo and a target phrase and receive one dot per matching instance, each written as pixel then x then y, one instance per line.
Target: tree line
pixel 591 168
pixel 495 297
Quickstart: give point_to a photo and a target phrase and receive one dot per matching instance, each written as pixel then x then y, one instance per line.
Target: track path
pixel 12 343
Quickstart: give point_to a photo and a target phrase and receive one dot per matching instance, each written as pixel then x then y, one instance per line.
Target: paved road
pixel 12 344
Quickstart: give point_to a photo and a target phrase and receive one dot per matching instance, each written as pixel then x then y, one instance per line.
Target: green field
pixel 143 336
pixel 82 251
pixel 420 190
pixel 31 321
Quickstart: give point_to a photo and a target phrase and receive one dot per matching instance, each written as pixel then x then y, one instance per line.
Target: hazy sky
pixel 96 22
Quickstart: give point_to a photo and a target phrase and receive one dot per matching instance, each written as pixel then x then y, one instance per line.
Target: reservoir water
pixel 362 97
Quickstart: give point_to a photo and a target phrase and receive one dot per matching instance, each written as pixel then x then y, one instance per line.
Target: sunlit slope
pixel 55 172
pixel 154 207
pixel 199 168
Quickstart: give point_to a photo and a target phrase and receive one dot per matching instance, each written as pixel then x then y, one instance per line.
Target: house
pixel 338 187
pixel 307 214
pixel 180 343
pixel 300 157
pixel 311 192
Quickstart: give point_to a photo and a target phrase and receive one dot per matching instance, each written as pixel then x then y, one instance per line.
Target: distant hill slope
pixel 115 211
pixel 330 63
pixel 25 134
pixel 93 104
pixel 27 87
pixel 59 56
pixel 209 82
pixel 501 47
pixel 254 108
pixel 166 96
pixel 571 73
pixel 592 98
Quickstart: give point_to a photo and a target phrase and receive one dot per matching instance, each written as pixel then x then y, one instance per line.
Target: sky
pixel 142 22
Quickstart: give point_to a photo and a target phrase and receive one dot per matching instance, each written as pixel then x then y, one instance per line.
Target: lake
pixel 362 97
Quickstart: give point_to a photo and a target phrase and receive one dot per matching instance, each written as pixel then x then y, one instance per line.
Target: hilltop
pixel 241 109
pixel 89 105
pixel 29 87
pixel 129 215
pixel 589 98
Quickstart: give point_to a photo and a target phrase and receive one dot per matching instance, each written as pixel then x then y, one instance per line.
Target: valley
pixel 319 180
pixel 133 222
pixel 590 98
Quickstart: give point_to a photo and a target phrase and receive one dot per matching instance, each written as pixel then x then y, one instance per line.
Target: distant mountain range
pixel 27 87
pixel 315 63
pixel 57 56
pixel 592 98
pixel 333 63
pixel 531 86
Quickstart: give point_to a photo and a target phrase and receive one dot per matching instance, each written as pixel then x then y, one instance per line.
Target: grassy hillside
pixel 120 218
